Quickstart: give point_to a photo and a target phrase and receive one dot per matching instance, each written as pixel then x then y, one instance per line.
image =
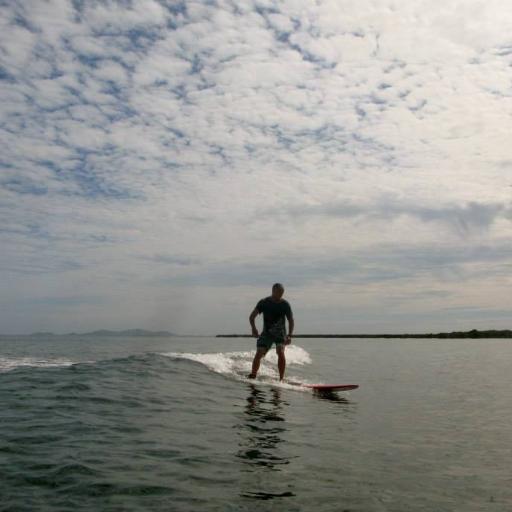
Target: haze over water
pixel 171 424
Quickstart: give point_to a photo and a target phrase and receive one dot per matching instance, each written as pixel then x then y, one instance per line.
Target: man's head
pixel 277 291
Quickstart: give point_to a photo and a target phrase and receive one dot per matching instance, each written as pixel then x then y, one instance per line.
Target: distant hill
pixel 108 333
pixel 128 332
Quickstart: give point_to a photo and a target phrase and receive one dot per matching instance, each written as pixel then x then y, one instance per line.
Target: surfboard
pixel 327 387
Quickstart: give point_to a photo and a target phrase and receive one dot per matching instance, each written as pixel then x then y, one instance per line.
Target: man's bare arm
pixel 252 318
pixel 291 325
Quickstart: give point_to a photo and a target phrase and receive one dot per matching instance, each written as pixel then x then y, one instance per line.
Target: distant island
pixel 106 332
pixel 474 333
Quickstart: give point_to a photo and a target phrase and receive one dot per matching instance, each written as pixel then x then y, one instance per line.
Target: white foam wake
pixel 238 364
pixel 10 363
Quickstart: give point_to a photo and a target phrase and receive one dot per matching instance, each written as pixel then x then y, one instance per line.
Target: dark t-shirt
pixel 274 314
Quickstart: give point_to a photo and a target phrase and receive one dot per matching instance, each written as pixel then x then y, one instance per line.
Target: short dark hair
pixel 277 286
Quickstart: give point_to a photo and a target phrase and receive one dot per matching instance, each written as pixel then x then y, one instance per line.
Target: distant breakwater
pixel 473 334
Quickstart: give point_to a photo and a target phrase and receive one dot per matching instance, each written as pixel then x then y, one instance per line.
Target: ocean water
pixel 171 424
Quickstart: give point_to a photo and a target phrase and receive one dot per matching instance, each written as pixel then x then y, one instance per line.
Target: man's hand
pixel 255 332
pixel 288 339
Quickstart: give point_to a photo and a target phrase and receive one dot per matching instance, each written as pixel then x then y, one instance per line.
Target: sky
pixel 162 163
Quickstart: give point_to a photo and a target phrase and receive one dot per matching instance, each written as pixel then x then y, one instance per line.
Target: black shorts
pixel 265 341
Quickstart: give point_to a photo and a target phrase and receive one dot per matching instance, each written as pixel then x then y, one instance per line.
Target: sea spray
pixel 238 364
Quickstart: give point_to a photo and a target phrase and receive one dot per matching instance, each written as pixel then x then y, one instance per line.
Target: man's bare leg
pixel 281 361
pixel 260 354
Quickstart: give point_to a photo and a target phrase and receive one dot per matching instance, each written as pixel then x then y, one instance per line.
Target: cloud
pixel 462 219
pixel 154 144
pixel 384 264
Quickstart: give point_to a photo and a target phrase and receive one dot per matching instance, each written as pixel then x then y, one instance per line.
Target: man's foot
pixel 251 376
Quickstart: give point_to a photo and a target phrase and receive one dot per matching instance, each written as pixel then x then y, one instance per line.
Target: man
pixel 274 309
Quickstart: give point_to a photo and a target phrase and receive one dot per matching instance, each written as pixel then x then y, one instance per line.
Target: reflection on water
pixel 261 441
pixel 331 396
pixel 264 424
pixel 262 445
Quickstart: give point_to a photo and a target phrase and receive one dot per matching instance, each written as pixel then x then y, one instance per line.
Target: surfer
pixel 274 309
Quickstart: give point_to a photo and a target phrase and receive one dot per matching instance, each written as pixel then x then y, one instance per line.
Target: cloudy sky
pixel 163 162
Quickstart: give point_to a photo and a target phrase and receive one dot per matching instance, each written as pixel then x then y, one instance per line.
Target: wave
pixel 143 361
pixel 11 363
pixel 237 365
